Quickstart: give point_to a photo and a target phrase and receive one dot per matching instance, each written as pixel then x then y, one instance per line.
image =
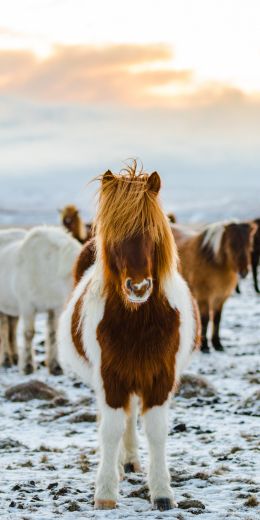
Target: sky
pixel 85 85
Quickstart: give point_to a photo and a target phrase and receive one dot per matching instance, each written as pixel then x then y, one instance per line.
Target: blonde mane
pixel 129 207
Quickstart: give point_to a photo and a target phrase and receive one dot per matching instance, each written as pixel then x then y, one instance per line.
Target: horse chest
pixel 138 351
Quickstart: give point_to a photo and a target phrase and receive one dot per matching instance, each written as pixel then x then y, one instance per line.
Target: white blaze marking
pixel 139 286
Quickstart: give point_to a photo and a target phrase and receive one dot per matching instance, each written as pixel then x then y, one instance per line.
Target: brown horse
pixel 255 255
pixel 129 328
pixel 172 218
pixel 210 262
pixel 71 220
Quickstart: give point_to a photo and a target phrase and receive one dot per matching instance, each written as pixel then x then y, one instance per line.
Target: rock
pixel 191 504
pixel 83 417
pixel 251 501
pixel 8 443
pixel 73 506
pixel 250 405
pixel 34 389
pixel 181 427
pixel 142 492
pixel 195 386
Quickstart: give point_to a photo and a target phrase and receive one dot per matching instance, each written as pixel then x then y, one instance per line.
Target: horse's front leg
pixel 156 427
pixel 13 322
pixel 112 426
pixel 52 353
pixel 130 440
pixel 27 357
pixel 6 360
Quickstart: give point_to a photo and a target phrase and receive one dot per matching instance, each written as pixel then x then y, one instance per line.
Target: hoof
pixel 55 369
pixel 28 369
pixel 163 504
pixel 7 362
pixel 15 359
pixel 219 348
pixel 132 467
pixel 104 504
pixel 129 467
pixel 205 349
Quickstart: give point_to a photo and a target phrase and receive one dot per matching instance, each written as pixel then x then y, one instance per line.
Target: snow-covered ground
pixel 49 454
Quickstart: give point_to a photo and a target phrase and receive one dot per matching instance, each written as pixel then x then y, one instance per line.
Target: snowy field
pixel 49 450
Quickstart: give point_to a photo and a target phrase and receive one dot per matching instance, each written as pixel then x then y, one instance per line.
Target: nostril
pixel 128 284
pixel 149 283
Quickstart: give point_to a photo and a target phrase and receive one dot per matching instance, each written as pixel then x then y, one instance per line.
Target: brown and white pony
pixel 129 329
pixel 211 261
pixel 71 220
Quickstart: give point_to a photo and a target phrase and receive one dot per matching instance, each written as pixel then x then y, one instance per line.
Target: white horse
pixel 35 276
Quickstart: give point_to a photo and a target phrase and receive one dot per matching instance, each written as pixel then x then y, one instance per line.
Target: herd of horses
pixel 126 309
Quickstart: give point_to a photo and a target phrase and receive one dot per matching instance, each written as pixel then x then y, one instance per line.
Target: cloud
pixel 87 74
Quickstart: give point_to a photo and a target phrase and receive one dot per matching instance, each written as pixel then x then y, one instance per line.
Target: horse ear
pixel 108 176
pixel 154 182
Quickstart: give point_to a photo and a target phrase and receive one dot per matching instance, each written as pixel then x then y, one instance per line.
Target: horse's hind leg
pixel 112 427
pixel 13 322
pixel 52 353
pixel 204 314
pixel 27 358
pixel 216 323
pixel 156 427
pixel 255 262
pixel 6 358
pixel 130 440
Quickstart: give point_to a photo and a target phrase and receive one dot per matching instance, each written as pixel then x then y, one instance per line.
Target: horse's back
pixel 45 260
pixel 182 233
pixel 10 235
pixel 10 241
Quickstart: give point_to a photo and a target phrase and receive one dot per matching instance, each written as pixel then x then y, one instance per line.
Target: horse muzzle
pixel 138 292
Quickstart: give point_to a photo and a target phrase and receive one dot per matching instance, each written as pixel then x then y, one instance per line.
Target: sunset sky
pixel 86 84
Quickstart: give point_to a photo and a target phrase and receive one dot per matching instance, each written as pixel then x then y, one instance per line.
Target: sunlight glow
pixel 219 40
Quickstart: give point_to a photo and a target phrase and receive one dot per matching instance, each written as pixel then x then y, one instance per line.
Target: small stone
pixel 251 501
pixel 73 506
pixel 8 443
pixel 251 405
pixel 191 504
pixel 52 485
pixel 83 417
pixel 32 389
pixel 142 492
pixel 193 385
pixel 180 427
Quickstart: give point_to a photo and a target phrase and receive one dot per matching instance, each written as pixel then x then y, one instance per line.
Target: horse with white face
pixel 129 329
pixel 35 276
